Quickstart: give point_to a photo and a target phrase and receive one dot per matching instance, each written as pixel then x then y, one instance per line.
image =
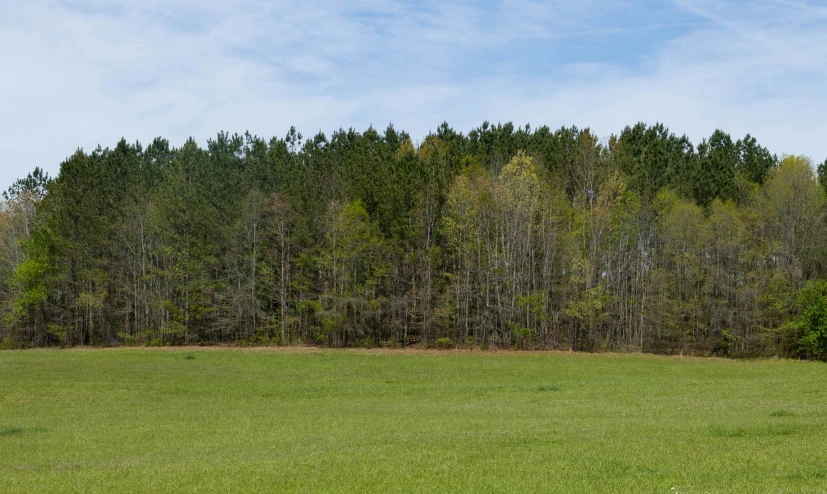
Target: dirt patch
pixel 317 349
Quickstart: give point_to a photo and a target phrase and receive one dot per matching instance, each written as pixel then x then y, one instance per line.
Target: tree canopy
pixel 504 236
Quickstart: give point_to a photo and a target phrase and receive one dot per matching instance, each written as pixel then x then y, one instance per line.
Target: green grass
pixel 232 420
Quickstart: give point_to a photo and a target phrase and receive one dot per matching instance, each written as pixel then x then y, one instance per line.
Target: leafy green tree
pixel 794 209
pixel 653 157
pixel 19 223
pixel 754 161
pixel 679 274
pixel 822 175
pixel 716 162
pixel 353 266
pixel 810 326
pixel 509 235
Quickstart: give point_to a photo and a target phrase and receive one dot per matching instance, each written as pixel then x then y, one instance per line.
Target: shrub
pixel 444 343
pixel 7 343
pixel 810 326
pixel 126 339
pixel 519 335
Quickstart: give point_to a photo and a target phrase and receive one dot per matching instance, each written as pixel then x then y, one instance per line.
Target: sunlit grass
pixel 232 420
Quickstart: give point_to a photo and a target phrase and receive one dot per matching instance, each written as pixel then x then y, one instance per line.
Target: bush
pixel 127 339
pixel 810 326
pixel 519 335
pixel 444 343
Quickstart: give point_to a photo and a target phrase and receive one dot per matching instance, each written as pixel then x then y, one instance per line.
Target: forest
pixel 508 237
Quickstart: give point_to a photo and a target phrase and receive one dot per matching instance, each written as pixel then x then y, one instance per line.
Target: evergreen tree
pixel 509 236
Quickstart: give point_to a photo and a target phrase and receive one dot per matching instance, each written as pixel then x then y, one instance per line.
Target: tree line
pixel 504 236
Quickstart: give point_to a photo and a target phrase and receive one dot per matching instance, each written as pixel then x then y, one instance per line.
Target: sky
pixel 82 73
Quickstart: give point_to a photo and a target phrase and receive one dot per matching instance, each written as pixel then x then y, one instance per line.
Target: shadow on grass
pixel 749 432
pixel 16 431
pixel 817 474
pixel 550 387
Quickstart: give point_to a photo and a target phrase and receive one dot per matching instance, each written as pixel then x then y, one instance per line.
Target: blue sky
pixel 78 73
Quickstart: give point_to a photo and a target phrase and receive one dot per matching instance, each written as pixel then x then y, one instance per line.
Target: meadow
pixel 306 420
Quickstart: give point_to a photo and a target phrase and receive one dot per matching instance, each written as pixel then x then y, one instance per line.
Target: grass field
pixel 235 420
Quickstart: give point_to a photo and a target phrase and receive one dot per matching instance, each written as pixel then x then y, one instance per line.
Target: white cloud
pixel 85 72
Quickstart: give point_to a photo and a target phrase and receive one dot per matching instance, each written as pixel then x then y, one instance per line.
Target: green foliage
pixel 30 275
pixel 533 238
pixel 535 305
pixel 810 326
pixel 59 333
pixel 444 343
pixel 590 309
pixel 310 306
pixel 822 175
pixel 726 343
pixel 520 335
pixel 654 158
pixel 128 339
pixel 714 176
pixel 754 161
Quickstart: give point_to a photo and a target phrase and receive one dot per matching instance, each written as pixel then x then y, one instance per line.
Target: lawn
pixel 268 420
